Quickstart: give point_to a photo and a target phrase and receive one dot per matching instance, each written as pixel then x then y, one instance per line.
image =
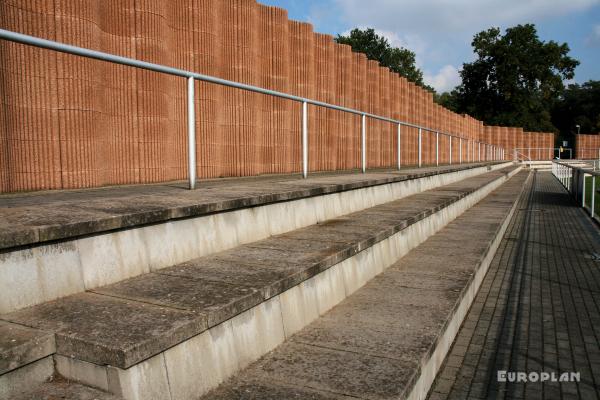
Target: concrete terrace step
pixel 152 336
pixel 56 244
pixel 389 338
pixel 59 388
pixel 33 218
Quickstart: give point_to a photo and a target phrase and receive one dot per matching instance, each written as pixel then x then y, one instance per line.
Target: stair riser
pixel 36 275
pixel 25 378
pixel 199 364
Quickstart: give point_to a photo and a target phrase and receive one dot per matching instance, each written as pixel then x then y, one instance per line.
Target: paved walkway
pixel 537 310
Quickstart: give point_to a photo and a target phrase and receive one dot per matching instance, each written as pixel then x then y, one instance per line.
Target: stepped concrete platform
pixel 387 340
pixel 58 243
pixel 179 331
pixel 538 309
pixel 33 218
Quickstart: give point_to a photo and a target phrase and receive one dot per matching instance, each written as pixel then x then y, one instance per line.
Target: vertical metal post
pixel 460 150
pixel 593 195
pixel 450 149
pixel 304 139
pixel 420 135
pixel 399 146
pixel 583 193
pixel 191 125
pixel 363 141
pixel 437 149
pixel 479 151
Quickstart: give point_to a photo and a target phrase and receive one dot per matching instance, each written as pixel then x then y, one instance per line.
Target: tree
pixel 375 47
pixel 515 79
pixel 578 105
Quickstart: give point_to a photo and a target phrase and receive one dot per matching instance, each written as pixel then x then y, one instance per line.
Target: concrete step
pixel 28 351
pixel 154 336
pixel 54 244
pixel 389 338
pixel 58 388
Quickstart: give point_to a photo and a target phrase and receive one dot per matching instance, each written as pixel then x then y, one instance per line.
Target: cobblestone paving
pixel 538 309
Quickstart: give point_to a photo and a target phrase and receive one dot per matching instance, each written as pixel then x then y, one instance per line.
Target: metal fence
pixel 541 153
pixel 582 181
pixel 485 151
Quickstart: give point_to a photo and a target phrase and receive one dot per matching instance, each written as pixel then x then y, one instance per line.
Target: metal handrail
pixel 495 152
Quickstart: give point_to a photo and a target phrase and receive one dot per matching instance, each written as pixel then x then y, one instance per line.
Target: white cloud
pixel 440 31
pixel 593 39
pixel 445 80
pixel 450 16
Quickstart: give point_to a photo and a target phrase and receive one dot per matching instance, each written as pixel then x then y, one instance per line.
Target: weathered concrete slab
pixel 257 389
pixel 29 218
pixel 107 330
pixel 332 371
pixel 215 300
pixel 20 345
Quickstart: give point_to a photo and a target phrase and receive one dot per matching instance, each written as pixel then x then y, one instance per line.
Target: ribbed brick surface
pixel 586 146
pixel 69 122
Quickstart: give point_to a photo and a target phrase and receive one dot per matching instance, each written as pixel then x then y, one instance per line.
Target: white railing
pixel 540 153
pixel 580 183
pixel 490 152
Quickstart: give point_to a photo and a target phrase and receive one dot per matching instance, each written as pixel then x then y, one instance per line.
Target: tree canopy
pixel 515 80
pixel 376 47
pixel 579 105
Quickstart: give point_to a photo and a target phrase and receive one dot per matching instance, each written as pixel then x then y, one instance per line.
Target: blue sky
pixel 440 31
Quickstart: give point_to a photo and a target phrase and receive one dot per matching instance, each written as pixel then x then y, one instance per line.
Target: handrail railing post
pixel 363 142
pixel 420 135
pixel 437 149
pixel 450 150
pixel 399 145
pixel 583 192
pixel 593 195
pixel 304 139
pixel 191 122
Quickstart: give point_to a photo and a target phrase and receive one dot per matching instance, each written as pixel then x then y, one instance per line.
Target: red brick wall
pixel 587 146
pixel 69 122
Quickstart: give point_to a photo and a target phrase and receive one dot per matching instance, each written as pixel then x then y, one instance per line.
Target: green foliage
pixel 375 47
pixel 579 105
pixel 515 79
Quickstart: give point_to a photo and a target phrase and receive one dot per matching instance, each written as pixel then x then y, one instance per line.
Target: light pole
pixel 578 128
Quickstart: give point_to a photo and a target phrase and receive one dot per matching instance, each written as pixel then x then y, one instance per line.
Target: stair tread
pixel 127 322
pixel 374 343
pixel 21 345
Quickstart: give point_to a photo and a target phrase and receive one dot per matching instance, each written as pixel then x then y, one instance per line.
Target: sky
pixel 440 31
